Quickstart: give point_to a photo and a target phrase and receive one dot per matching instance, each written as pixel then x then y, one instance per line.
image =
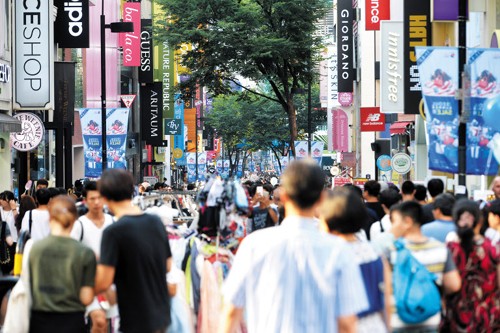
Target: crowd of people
pixel 349 259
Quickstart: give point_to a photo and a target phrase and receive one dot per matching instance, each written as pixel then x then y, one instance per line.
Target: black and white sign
pixel 71 28
pixel 345 45
pixel 151 114
pixel 33 54
pixel 146 67
pixel 32 132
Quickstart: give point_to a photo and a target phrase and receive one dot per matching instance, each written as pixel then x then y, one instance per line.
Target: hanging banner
pixel 345 45
pixel 131 41
pixel 146 68
pixel 151 115
pixel 392 90
pixel 317 148
pixel 481 126
pixel 64 92
pixel 340 130
pixel 446 10
pixel 417 32
pixel 191 167
pixel 438 67
pixel 372 120
pixel 202 166
pixel 32 134
pixel 179 143
pixel 376 11
pixel 71 27
pixel 333 82
pixel 219 166
pixel 226 167
pixel 116 139
pixel 301 149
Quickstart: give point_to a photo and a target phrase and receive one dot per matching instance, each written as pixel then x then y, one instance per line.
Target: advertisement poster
pixel 179 139
pixel 219 166
pixel 226 167
pixel 116 138
pixel 484 73
pixel 191 167
pixel 317 151
pixel 301 149
pixel 438 69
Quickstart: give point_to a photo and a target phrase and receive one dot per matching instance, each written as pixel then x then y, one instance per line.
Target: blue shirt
pixel 439 229
pixel 295 278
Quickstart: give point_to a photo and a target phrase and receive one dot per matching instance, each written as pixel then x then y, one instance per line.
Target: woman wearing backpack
pixel 476 307
pixel 343 214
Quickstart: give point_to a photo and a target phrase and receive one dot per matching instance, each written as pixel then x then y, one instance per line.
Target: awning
pixel 399 127
pixel 9 124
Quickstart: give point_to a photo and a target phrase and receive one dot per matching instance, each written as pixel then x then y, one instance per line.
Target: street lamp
pixel 115 27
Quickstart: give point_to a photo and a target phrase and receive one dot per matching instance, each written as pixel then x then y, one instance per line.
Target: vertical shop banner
pixel 191 167
pixel 392 71
pixel 131 41
pixel 71 27
pixel 64 92
pixel 317 148
pixel 376 11
pixel 417 32
pixel 179 143
pixel 239 170
pixel 438 69
pixel 446 10
pixel 484 73
pixel 301 149
pixel 202 166
pixel 219 166
pixel 151 115
pixel 333 82
pixel 345 45
pixel 116 139
pixel 146 67
pixel 226 167
pixel 340 130
pixel 323 79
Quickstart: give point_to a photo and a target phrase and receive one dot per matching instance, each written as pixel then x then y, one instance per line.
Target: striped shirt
pixel 295 278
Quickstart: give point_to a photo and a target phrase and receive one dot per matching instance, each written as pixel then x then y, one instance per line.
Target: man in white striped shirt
pixel 294 278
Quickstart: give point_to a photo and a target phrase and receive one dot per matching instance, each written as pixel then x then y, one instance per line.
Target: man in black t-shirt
pixel 135 255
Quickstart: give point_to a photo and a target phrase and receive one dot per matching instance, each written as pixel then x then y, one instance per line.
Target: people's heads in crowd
pixel 406 217
pixel 302 184
pixel 371 189
pixel 26 203
pixel 467 217
pixel 495 187
pixel 43 196
pixel 356 189
pixel 394 187
pixel 383 186
pixel 389 198
pixel 53 191
pixel 408 190
pixel 443 206
pixel 62 210
pixel 92 197
pixel 42 183
pixel 420 193
pixel 5 199
pixel 494 215
pixel 344 211
pixel 116 185
pixel 435 186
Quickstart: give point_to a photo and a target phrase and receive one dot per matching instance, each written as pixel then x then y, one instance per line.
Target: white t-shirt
pixel 11 222
pixel 375 230
pixel 40 227
pixel 92 235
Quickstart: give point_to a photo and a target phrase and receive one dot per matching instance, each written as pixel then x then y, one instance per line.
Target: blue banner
pixel 191 167
pixel 179 143
pixel 484 74
pixel 202 166
pixel 438 67
pixel 116 139
pixel 317 151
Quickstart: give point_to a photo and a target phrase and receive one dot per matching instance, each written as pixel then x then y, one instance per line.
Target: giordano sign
pixel 32 132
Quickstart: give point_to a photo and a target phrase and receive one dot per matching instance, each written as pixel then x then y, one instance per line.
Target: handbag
pixel 17 318
pixel 6 252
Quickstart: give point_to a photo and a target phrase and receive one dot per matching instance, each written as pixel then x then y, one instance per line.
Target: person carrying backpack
pixel 418 265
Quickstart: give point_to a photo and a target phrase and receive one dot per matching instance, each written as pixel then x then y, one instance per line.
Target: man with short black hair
pixel 371 190
pixel 135 255
pixel 293 278
pixel 421 194
pixel 387 199
pixel 36 221
pixel 42 183
pixel 435 186
pixel 408 190
pixel 443 223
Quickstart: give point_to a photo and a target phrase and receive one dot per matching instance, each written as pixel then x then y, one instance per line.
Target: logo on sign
pixel 32 132
pixel 75 14
pixel 131 41
pixel 345 98
pixel 372 120
pixel 401 163
pixel 4 73
pixel 376 11
pixel 127 100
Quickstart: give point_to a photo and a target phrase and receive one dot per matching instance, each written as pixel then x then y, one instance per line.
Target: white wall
pixel 6 179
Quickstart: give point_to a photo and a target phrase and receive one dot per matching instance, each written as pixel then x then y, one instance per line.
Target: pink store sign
pixel 131 41
pixel 340 130
pixel 345 98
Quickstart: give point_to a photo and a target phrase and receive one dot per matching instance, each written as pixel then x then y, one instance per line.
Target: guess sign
pixel 376 11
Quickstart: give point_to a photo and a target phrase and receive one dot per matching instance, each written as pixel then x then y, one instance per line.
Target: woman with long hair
pixel 62 274
pixel 26 204
pixel 476 307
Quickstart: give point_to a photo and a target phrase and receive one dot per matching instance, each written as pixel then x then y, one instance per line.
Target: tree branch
pixel 252 91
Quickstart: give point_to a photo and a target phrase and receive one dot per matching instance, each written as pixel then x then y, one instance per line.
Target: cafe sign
pixel 32 132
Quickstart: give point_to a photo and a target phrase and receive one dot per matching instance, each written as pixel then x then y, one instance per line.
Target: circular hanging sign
pixel 334 170
pixel 384 163
pixel 401 163
pixel 178 153
pixel 32 132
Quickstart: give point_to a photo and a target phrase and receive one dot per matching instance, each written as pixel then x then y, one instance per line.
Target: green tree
pixel 269 41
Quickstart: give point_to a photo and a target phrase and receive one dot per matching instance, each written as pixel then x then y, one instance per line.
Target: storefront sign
pixel 345 98
pixel 345 45
pixel 5 73
pixel 372 120
pixel 341 181
pixel 333 83
pixel 146 68
pixel 401 163
pixel 340 131
pixel 376 11
pixel 151 115
pixel 64 92
pixel 32 132
pixel 417 32
pixel 131 41
pixel 172 126
pixel 384 163
pixel 392 68
pixel 72 23
pixel 34 51
pixel 446 10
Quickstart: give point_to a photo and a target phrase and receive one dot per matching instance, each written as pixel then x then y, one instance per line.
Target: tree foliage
pixel 269 41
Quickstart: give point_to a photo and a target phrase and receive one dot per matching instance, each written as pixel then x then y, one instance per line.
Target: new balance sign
pixel 372 120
